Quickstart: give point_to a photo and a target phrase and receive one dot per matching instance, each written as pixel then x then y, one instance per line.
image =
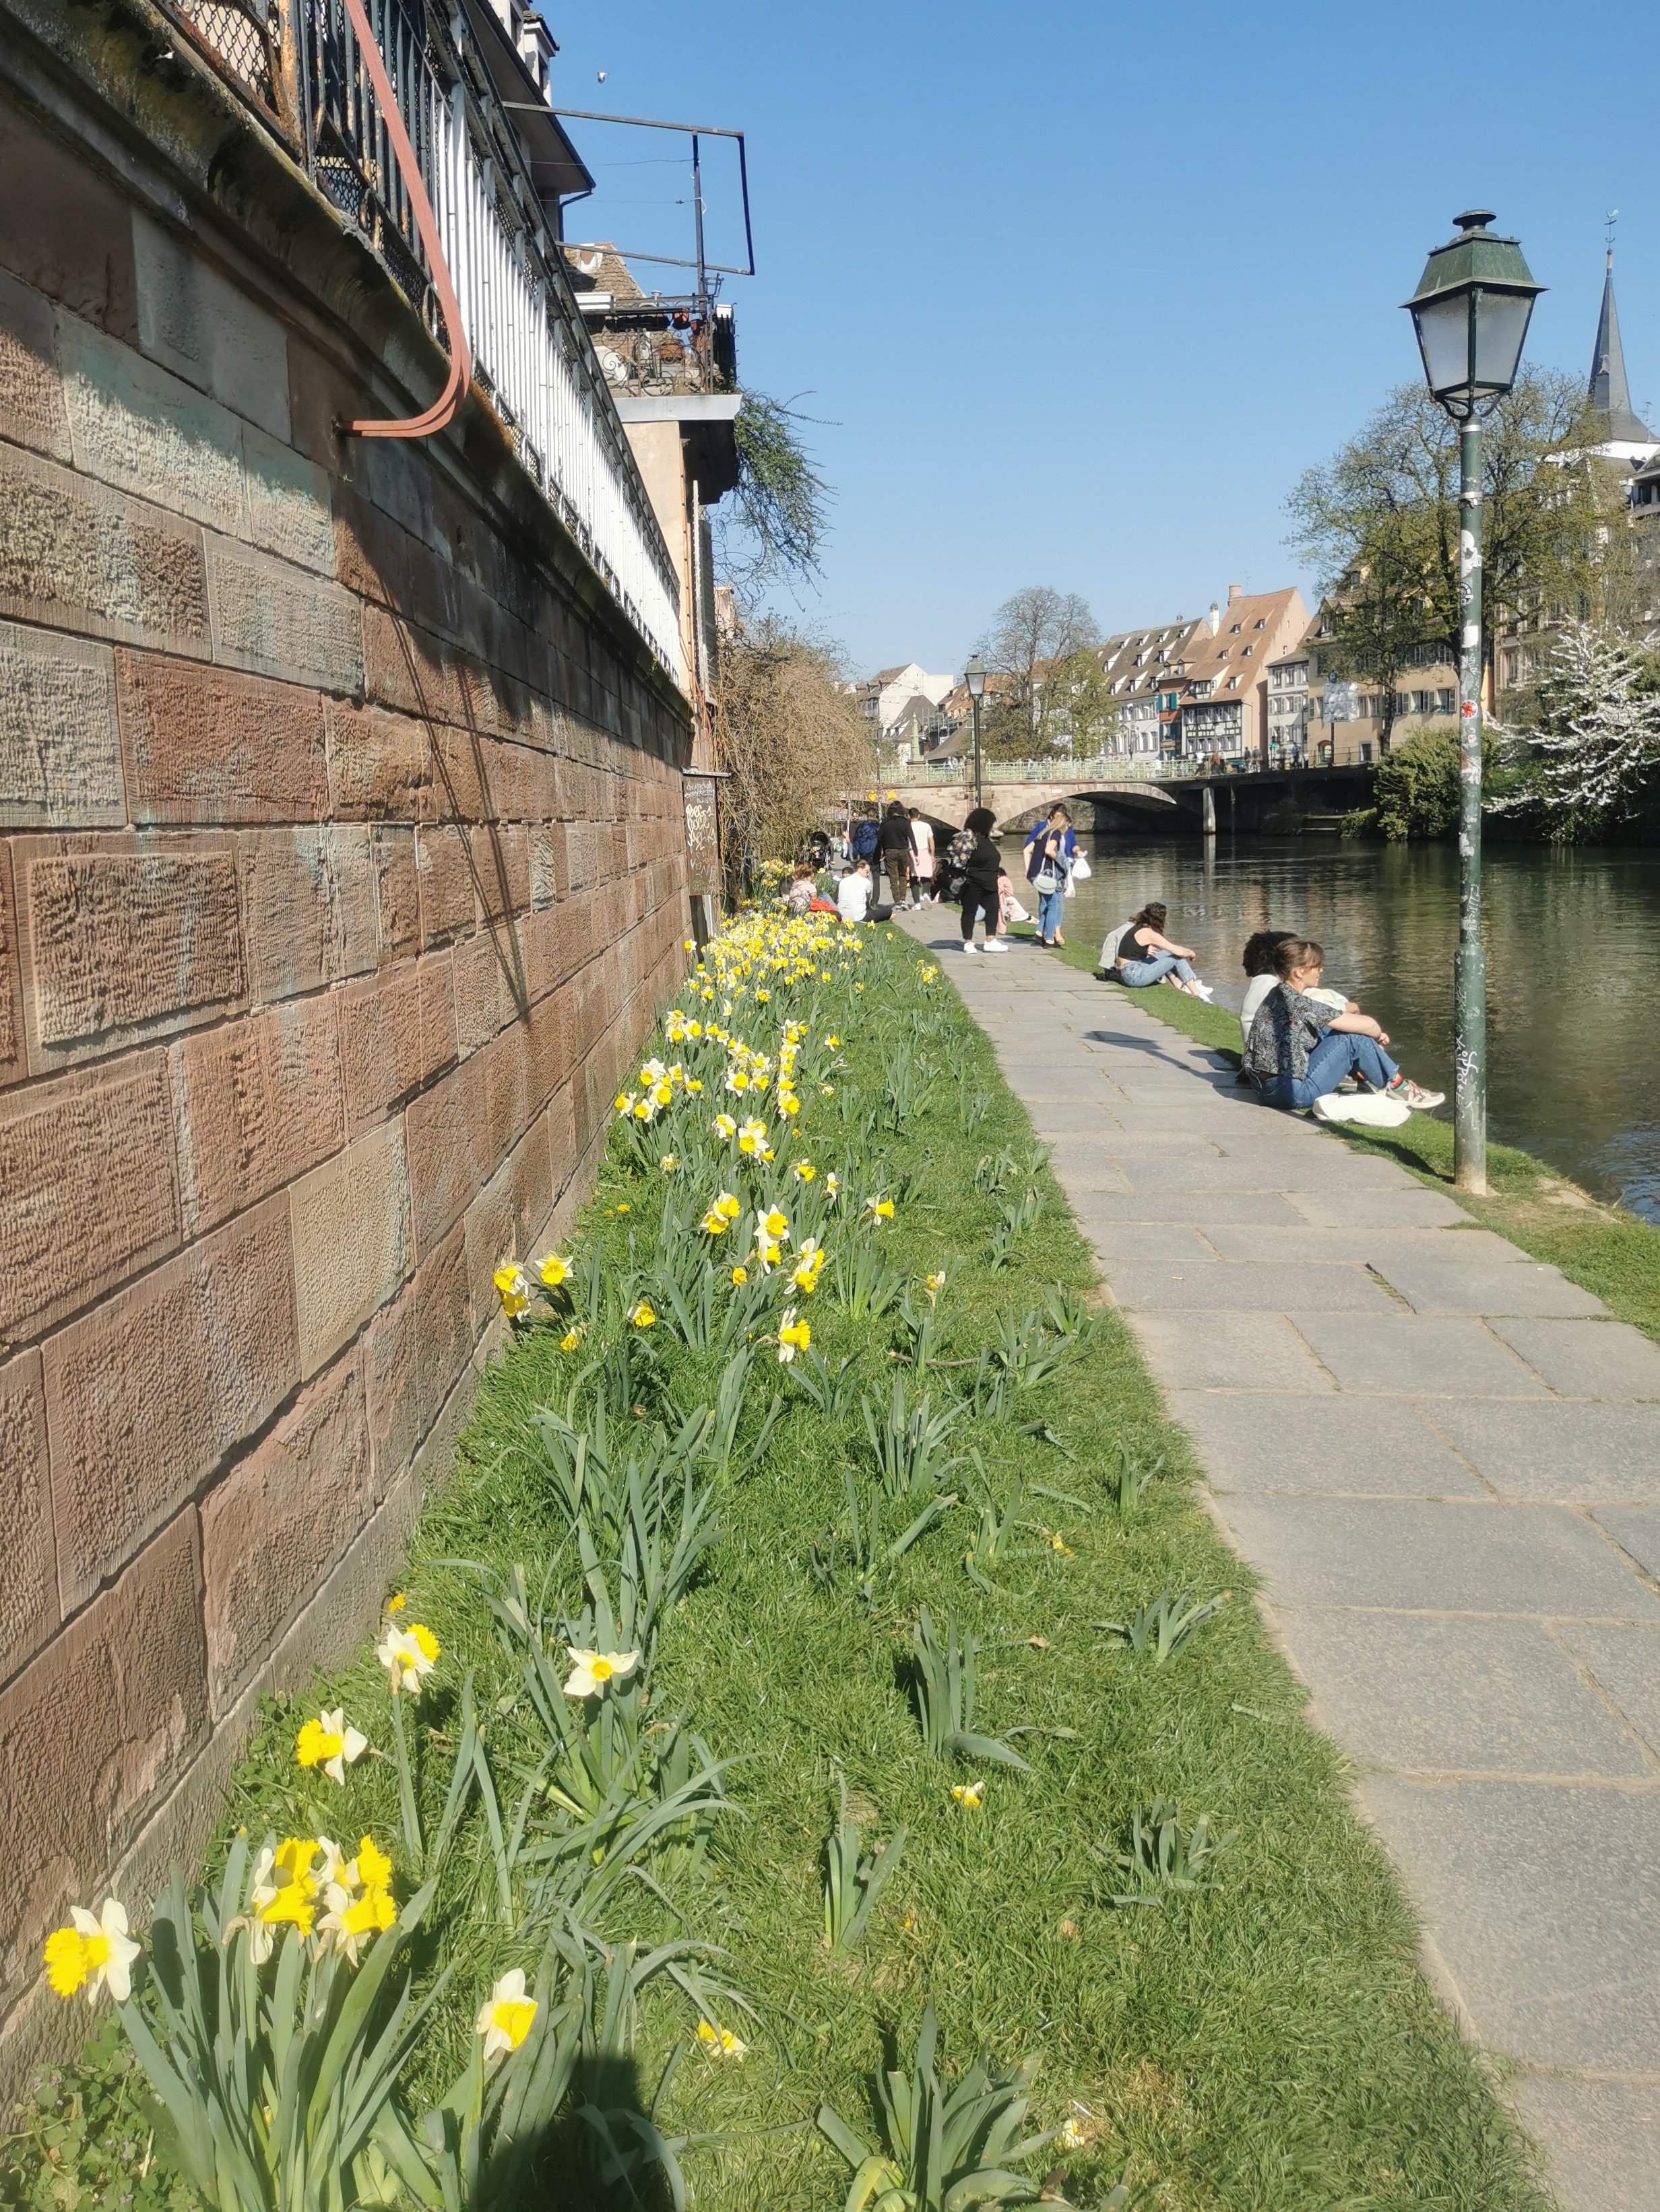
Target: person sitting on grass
pixel 799 896
pixel 1146 955
pixel 1300 1048
pixel 853 894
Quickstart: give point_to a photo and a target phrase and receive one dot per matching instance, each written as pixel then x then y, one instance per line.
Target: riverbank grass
pixel 1125 1854
pixel 1606 1250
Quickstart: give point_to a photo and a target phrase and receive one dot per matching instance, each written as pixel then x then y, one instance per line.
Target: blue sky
pixel 1079 291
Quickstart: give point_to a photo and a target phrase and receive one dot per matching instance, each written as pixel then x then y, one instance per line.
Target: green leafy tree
pixel 1380 522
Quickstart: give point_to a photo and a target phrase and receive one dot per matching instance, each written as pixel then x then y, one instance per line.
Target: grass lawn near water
pixel 1603 1248
pixel 1265 2042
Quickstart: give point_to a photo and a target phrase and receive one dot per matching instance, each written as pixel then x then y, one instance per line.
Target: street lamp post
pixel 1470 312
pixel 975 677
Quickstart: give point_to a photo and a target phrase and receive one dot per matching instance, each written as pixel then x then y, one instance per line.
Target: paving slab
pixel 1636 1529
pixel 1460 1697
pixel 1587 1358
pixel 1227 1352
pixel 1204 1209
pixel 1330 1175
pixel 1082 1165
pixel 1417 1356
pixel 1599 2137
pixel 1555 1968
pixel 1455 1286
pixel 1239 1287
pixel 1583 1455
pixel 1402 1205
pixel 1626 1663
pixel 1350 1241
pixel 1162 1242
pixel 1454 1556
pixel 1288 1445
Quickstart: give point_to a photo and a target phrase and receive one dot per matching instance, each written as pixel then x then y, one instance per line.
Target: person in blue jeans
pixel 1299 1049
pixel 1050 851
pixel 1146 955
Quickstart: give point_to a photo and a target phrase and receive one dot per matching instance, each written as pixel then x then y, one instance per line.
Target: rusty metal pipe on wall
pixel 442 410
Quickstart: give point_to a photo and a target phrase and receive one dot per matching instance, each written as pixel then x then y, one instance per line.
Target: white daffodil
pixel 95 1955
pixel 721 2042
pixel 329 1743
pixel 592 1672
pixel 409 1656
pixel 507 2017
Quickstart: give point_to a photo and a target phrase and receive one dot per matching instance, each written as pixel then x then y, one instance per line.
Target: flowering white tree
pixel 1597 739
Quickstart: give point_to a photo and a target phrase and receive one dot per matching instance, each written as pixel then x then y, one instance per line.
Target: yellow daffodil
pixel 409 1656
pixel 740 1275
pixel 624 1207
pixel 793 1336
pixel 624 1102
pixel 570 1339
pixel 642 1315
pixel 513 1290
pixel 752 1137
pixel 776 1224
pixel 329 1743
pixel 714 1222
pixel 728 1204
pixel 507 2017
pixel 809 1263
pixel 94 1953
pixel 695 1084
pixel 970 1796
pixel 553 1269
pixel 593 1673
pixel 721 2042
pixel 805 1171
pixel 832 1186
pixel 645 1111
pixel 879 1209
pixel 724 1125
pixel 358 1895
pixel 832 1042
pixel 396 1604
pixel 669 1162
pixel 788 1104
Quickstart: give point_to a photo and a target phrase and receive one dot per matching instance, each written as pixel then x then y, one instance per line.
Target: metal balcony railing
pixel 532 359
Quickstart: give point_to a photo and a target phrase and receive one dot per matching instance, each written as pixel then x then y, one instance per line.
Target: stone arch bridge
pixel 1018 793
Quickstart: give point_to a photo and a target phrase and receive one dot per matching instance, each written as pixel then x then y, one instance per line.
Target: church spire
pixel 1610 395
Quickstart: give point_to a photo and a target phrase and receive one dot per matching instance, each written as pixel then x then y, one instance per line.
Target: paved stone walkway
pixel 1444 1461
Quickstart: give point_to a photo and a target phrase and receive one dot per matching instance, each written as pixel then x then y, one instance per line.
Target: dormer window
pixel 1223 655
pixel 1245 652
pixel 1234 632
pixel 1261 622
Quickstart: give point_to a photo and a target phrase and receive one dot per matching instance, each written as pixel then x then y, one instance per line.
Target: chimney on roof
pixel 1215 617
pixel 1234 592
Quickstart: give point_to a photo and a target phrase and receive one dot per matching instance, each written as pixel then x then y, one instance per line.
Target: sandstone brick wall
pixel 342 868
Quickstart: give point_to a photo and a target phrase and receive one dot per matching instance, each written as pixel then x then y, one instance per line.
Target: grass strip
pixel 1262 2038
pixel 1606 1250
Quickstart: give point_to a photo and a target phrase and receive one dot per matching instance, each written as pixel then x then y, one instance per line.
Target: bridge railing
pixel 1110 767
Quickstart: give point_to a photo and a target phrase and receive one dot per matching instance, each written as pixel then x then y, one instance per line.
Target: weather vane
pixel 1608 222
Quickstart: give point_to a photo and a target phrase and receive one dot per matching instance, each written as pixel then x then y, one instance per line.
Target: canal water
pixel 1573 962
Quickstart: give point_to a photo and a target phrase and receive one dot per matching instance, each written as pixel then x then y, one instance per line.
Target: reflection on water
pixel 1573 952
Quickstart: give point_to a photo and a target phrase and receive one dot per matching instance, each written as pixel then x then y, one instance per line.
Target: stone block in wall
pixel 444 871
pixel 78 555
pixel 14 1058
pixel 380 763
pixel 288 503
pixel 87 1171
pixel 443 1322
pixel 135 427
pixel 309 901
pixel 279 1521
pixel 396 893
pixel 407 668
pixel 93 1733
pixel 124 941
pixel 448 1142
pixel 547 862
pixel 30 378
pixel 391 1388
pixel 513 1207
pixel 205 745
pixel 396 1033
pixel 260 1101
pixel 207 329
pixel 29 1583
pixel 491 989
pixel 273 619
pixel 68 232
pixel 60 753
pixel 146 1394
pixel 352 1246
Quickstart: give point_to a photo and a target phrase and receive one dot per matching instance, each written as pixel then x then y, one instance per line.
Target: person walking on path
pixel 894 845
pixel 921 856
pixel 981 866
pixel 1299 1049
pixel 1146 955
pixel 1051 850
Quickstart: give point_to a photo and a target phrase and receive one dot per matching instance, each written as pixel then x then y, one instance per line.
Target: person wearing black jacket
pixel 980 874
pixel 894 849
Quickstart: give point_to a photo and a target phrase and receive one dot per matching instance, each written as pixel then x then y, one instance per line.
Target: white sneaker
pixel 996 945
pixel 1204 991
pixel 969 945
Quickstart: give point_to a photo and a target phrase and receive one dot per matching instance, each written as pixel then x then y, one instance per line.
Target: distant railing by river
pixel 299 67
pixel 1102 768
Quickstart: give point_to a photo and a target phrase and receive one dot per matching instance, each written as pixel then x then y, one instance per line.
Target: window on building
pixel 1233 631
pixel 1245 651
pixel 1366 752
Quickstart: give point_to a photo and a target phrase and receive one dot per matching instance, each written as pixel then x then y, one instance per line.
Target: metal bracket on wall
pixel 443 408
